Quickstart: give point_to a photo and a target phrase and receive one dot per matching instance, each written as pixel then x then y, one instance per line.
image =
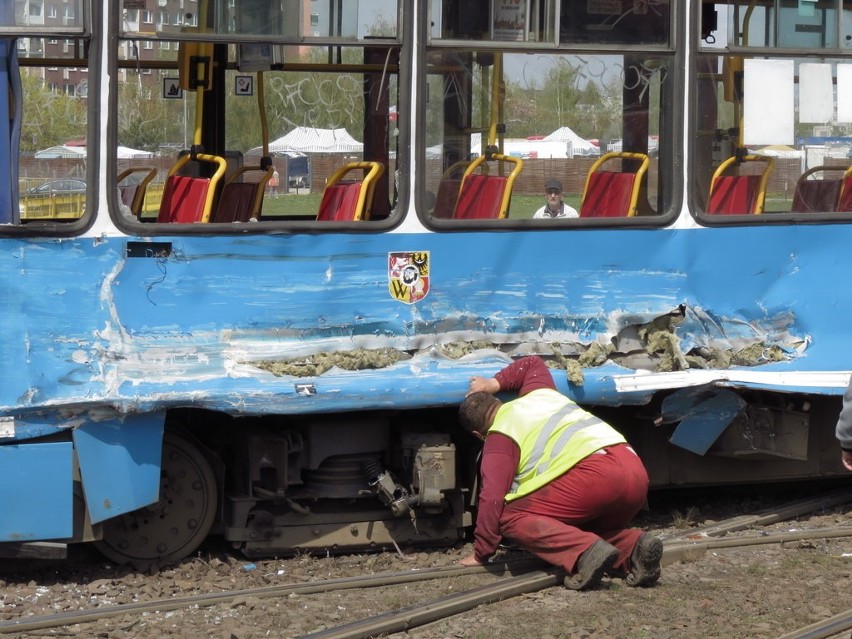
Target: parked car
pixel 60 199
pixel 58 187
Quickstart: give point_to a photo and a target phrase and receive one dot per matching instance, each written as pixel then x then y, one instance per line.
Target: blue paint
pixel 704 419
pixel 86 325
pixel 41 475
pixel 120 463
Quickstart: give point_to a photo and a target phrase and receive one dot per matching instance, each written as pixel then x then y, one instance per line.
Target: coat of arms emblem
pixel 408 276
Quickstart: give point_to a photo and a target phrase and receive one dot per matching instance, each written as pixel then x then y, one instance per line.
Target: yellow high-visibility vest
pixel 553 434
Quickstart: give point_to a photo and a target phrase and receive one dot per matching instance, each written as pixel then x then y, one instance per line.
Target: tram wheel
pixel 171 529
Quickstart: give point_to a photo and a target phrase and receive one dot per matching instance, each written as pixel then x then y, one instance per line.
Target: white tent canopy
pixel 124 153
pixel 778 151
pixel 531 149
pixel 61 151
pixel 578 144
pixel 309 140
pixel 64 151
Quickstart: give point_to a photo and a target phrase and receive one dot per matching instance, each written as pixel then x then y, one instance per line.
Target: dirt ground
pixel 749 592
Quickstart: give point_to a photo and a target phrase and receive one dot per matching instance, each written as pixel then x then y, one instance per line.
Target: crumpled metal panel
pixel 87 325
pixel 120 461
pixel 27 493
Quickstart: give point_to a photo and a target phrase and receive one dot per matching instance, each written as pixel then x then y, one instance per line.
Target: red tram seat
pixel 447 197
pixel 242 201
pixel 350 200
pixel 844 201
pixel 133 194
pixel 614 193
pixel 481 197
pixel 742 194
pixel 236 203
pixel 188 199
pixel 814 195
pixel 183 199
pixel 484 196
pixel 448 189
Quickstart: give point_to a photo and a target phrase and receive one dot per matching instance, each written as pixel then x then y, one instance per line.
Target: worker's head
pixel 477 411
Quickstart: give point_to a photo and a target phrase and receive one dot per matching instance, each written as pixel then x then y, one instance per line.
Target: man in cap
pixel 554 207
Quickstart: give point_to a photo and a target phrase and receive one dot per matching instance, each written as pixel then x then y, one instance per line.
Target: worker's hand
pixel 471 560
pixel 847 459
pixel 482 384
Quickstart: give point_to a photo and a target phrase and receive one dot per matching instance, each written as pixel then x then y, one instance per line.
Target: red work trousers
pixel 594 500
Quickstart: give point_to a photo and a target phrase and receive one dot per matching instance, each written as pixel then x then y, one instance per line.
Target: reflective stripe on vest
pixel 553 434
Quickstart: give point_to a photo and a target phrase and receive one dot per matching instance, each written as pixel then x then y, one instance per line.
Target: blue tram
pixel 193 346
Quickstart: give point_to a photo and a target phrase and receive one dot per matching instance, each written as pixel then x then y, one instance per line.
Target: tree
pixel 562 97
pixel 50 118
pixel 146 120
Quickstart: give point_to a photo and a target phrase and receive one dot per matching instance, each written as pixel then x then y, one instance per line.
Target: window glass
pixel 37 17
pixel 290 19
pixel 593 125
pixel 49 163
pixel 772 129
pixel 266 136
pixel 741 24
pixel 566 22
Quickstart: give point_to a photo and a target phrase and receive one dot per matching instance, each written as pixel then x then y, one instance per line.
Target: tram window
pixel 42 18
pixel 772 127
pixel 741 24
pixel 257 141
pixel 773 138
pixel 43 113
pixel 284 19
pixel 566 22
pixel 557 113
pixel 45 127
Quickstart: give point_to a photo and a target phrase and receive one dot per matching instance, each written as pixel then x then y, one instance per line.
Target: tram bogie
pixel 337 483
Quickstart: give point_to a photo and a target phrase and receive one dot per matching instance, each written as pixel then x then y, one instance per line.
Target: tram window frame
pixel 82 30
pixel 233 34
pixel 711 15
pixel 543 23
pixel 87 58
pixel 307 222
pixel 672 195
pixel 723 139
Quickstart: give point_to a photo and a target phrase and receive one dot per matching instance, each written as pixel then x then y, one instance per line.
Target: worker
pixel 556 480
pixel 844 429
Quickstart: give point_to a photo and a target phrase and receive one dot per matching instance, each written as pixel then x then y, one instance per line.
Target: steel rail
pixel 769 515
pixel 407 618
pixel 420 614
pixel 41 622
pixel 673 550
pixel 688 550
pixel 824 629
pixel 683 547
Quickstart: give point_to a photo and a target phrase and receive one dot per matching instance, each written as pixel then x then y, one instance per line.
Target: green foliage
pixel 146 120
pixel 563 98
pixel 50 118
pixel 304 98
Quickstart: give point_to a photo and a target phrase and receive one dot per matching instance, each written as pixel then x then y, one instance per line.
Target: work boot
pixel 645 561
pixel 592 565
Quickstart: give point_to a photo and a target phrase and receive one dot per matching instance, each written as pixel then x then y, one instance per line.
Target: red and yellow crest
pixel 408 276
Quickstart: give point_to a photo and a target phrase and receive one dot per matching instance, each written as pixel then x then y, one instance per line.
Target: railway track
pixel 506 579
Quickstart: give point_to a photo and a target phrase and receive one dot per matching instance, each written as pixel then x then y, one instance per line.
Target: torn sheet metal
pixel 625 313
pixel 703 415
